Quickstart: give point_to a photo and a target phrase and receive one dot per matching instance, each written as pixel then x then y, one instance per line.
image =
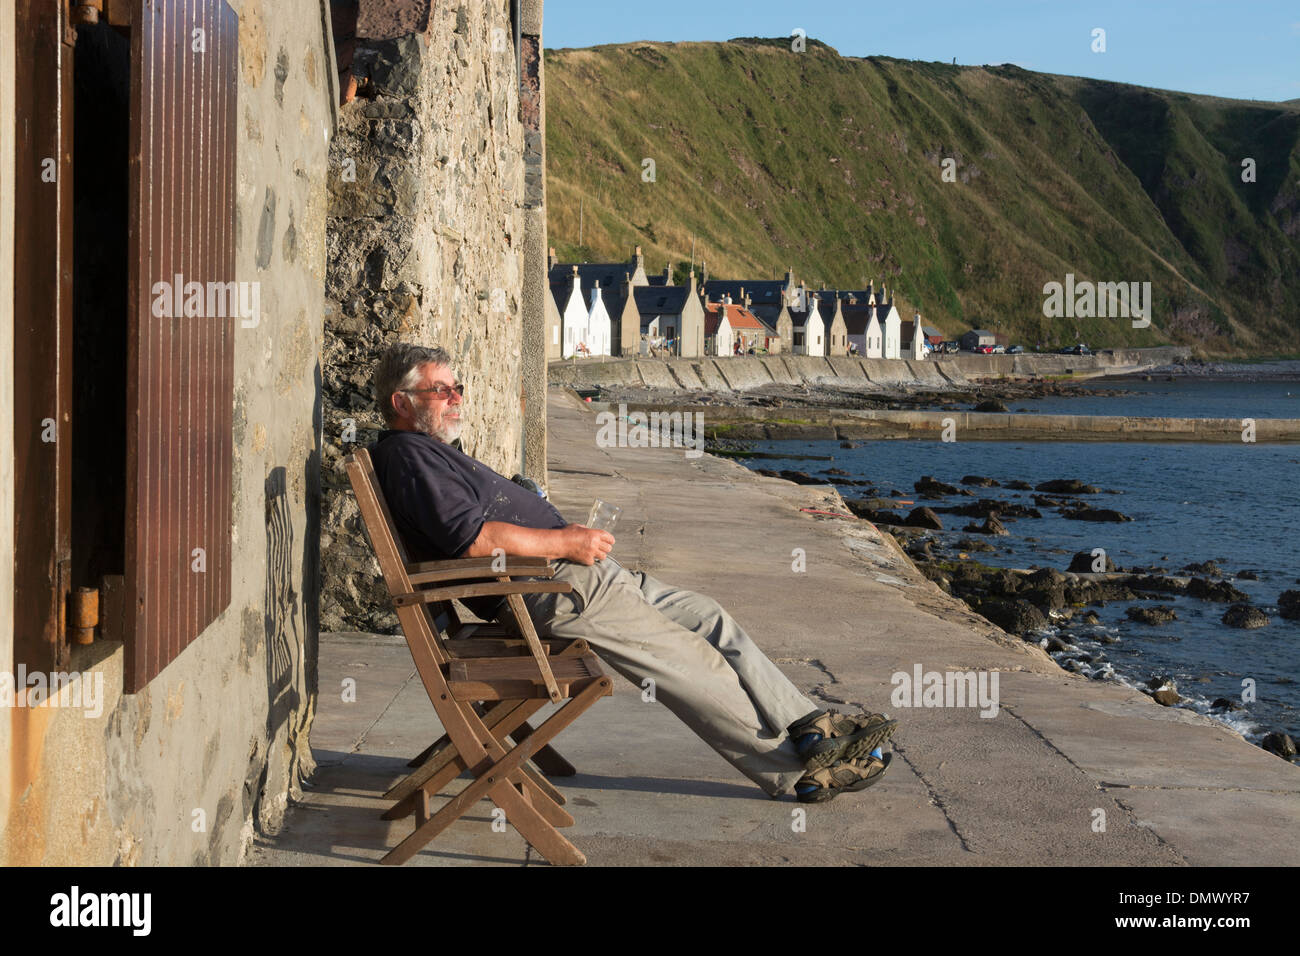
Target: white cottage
pixel 573 316
pixel 598 324
pixel 891 326
pixel 809 330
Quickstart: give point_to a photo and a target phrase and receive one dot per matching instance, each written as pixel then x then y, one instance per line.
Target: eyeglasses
pixel 442 392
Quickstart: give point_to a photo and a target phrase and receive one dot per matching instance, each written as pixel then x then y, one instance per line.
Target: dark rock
pixel 991 405
pixel 1163 690
pixel 766 472
pixel 1248 575
pixel 991 525
pixel 850 444
pixel 834 471
pixel 802 478
pixel 1086 513
pixel 1048 598
pixel 988 506
pixel 1067 486
pixel 1220 591
pixel 1015 617
pixel 1223 703
pixel 863 509
pixel 1045 577
pixel 1159 614
pixel 1057 646
pixel 1280 744
pixel 923 518
pixel 1048 501
pixel 1082 563
pixel 1245 616
pixel 980 481
pixel 1288 605
pixel 1090 617
pixel 931 488
pixel 1205 567
pixel 973 544
pixel 1018 485
pixel 1158 583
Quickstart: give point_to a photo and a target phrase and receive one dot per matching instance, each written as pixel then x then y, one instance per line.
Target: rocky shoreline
pixel 1046 606
pixel 988 395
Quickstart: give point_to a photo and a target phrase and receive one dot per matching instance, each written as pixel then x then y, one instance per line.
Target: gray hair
pixel 398 369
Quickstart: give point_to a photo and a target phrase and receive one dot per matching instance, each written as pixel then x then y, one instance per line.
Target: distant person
pixel 705 668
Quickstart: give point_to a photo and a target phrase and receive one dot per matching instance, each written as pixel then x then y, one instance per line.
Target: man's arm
pixel 573 542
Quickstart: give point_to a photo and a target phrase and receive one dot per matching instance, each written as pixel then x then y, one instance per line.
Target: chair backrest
pixel 394 561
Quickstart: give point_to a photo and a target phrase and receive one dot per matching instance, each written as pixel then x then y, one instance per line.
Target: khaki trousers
pixel 705 669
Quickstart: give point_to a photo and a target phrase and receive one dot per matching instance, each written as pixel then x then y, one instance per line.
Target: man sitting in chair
pixel 705 669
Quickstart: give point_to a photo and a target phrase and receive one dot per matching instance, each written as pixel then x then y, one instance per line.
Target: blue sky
pixel 1242 49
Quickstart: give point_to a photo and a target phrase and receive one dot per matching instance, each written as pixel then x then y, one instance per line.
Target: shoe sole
pixel 827 752
pixel 824 795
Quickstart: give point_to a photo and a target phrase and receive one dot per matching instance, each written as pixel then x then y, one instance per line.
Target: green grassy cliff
pixel 832 166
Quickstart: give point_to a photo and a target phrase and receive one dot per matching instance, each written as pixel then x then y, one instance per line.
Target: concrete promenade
pixel 1068 771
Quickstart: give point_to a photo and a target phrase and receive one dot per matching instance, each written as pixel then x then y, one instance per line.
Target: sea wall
pixel 740 373
pixel 842 424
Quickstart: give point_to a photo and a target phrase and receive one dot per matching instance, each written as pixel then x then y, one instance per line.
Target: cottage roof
pixel 738 317
pixel 799 318
pixel 660 300
pixel 857 317
pixel 768 293
pixel 826 306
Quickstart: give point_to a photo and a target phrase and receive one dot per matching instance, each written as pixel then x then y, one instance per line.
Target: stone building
pixel 673 313
pixel 437 236
pixel 362 171
pixel 165 459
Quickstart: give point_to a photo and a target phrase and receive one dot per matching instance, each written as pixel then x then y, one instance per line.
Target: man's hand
pixel 586 545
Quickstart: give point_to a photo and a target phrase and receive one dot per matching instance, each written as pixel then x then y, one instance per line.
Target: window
pixel 134 497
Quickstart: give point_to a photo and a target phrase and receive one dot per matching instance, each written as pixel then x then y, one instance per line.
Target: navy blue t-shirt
pixel 440 497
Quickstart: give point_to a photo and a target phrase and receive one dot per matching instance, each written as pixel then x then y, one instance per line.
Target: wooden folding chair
pixel 513 677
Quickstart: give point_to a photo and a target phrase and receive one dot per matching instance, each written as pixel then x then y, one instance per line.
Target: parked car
pixel 999 350
pixel 1016 350
pixel 984 349
pixel 949 348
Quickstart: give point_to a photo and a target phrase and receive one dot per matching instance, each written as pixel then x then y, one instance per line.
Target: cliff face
pixel 963 189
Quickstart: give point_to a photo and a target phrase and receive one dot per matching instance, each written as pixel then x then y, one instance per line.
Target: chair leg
pixel 494 717
pixel 548 759
pixel 495 777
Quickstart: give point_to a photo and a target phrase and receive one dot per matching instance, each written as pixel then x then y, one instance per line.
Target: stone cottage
pixel 159 423
pixel 173 422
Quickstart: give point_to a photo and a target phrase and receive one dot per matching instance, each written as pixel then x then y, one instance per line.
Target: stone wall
pixel 426 240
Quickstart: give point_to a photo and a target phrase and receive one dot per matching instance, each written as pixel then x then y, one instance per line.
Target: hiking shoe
pixel 847 776
pixel 824 737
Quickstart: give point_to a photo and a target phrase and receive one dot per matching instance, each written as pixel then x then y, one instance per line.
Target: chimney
pixel 668 274
pixel 554 260
pixel 638 260
pixel 704 272
pixel 576 281
pixel 691 283
pixel 595 292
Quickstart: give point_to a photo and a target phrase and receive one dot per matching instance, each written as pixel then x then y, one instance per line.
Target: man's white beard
pixel 424 421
